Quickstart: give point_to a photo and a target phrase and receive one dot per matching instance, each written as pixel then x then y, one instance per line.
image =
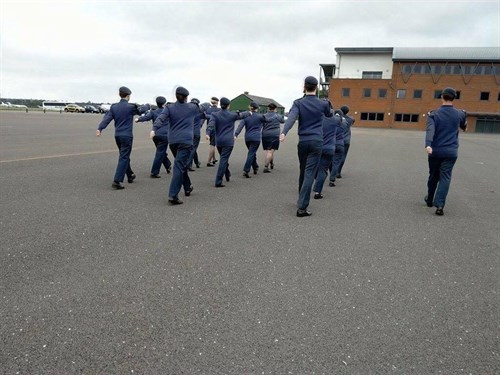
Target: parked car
pixel 91 109
pixel 104 107
pixel 74 108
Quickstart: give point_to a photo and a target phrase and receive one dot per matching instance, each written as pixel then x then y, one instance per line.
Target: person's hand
pixel 235 137
pixel 136 119
pixel 97 133
pixel 152 134
pixel 207 137
pixel 429 150
pixel 282 137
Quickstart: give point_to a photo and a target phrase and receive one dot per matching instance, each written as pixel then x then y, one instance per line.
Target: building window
pixel 382 93
pixel 417 94
pixel 458 95
pixel 372 116
pixel 484 95
pixel 371 75
pixel 406 117
pixel 498 97
pixel 437 94
pixel 367 93
pixel 346 92
pixel 401 94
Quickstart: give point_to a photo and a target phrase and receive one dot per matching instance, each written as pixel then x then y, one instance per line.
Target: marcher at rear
pixel 198 123
pixel 309 111
pixel 211 145
pixel 122 113
pixel 271 136
pixel 339 145
pixel 159 135
pixel 221 125
pixel 253 129
pixel 180 117
pixel 441 144
pixel 329 132
pixel 347 138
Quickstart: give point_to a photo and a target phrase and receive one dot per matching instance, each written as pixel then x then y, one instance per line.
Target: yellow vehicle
pixel 74 108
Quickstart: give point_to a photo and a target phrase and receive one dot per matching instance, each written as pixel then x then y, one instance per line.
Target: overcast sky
pixel 84 50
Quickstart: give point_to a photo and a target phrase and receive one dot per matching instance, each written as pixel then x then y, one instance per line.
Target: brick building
pixel 397 87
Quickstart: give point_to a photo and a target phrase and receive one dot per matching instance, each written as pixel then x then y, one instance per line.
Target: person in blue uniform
pixel 122 113
pixel 211 146
pixel 222 125
pixel 339 145
pixel 253 128
pixel 309 111
pixel 159 134
pixel 329 131
pixel 347 138
pixel 180 117
pixel 271 136
pixel 198 123
pixel 441 144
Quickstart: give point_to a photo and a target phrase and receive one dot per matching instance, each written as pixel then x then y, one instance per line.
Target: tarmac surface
pixel 98 281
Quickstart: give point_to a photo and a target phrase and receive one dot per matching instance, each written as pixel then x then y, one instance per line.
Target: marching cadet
pixel 253 128
pixel 271 136
pixel 180 117
pixel 211 147
pixel 347 137
pixel 159 135
pixel 339 145
pixel 198 123
pixel 309 110
pixel 123 115
pixel 222 125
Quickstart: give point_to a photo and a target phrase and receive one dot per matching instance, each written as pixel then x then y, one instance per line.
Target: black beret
pixel 339 112
pixel 160 100
pixel 125 90
pixel 310 80
pixel 449 91
pixel 182 91
pixel 215 99
pixel 272 106
pixel 195 101
pixel 345 109
pixel 254 105
pixel 224 102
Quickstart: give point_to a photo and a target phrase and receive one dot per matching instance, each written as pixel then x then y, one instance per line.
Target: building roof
pixel 363 50
pixel 261 101
pixel 446 53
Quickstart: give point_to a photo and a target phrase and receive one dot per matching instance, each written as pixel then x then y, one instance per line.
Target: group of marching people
pixel 179 124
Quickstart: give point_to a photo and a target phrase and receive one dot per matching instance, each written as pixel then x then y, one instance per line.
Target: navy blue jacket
pixel 210 110
pixel 329 132
pixel 253 127
pixel 180 117
pixel 161 127
pixel 222 125
pixel 123 114
pixel 272 126
pixel 349 122
pixel 442 130
pixel 341 129
pixel 198 123
pixel 309 110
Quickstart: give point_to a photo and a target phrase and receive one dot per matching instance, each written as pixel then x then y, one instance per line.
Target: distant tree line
pixel 35 103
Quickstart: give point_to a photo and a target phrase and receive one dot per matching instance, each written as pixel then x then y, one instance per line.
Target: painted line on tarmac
pixel 66 155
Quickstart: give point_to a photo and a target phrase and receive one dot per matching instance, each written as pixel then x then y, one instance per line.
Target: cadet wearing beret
pixel 180 117
pixel 441 144
pixel 198 123
pixel 123 115
pixel 347 138
pixel 159 134
pixel 341 125
pixel 253 128
pixel 271 135
pixel 309 110
pixel 222 125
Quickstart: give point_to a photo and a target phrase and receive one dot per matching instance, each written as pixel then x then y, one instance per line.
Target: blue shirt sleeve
pixel 105 121
pixel 429 130
pixel 292 117
pixel 162 118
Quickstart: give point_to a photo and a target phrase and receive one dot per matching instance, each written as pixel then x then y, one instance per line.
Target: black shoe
pixel 318 196
pixel 169 170
pixel 303 213
pixel 266 170
pixel 175 201
pixel 155 176
pixel 429 203
pixel 187 193
pixel 332 184
pixel 210 165
pixel 131 178
pixel 439 211
pixel 117 185
pixel 339 176
pixel 220 185
pixel 215 161
pixel 255 170
pixel 272 165
pixel 228 176
pixel 191 169
pixel 198 165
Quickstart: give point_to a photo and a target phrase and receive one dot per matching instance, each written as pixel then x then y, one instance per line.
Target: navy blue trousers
pixel 223 169
pixel 251 161
pixel 309 153
pixel 161 143
pixel 124 144
pixel 439 180
pixel 180 177
pixel 324 164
